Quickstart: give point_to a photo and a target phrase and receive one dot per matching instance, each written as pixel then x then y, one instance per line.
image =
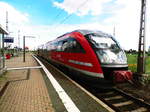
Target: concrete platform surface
pixel 26 90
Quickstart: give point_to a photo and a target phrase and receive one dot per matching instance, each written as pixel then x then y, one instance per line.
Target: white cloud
pixel 20 21
pixel 127 22
pixel 82 7
pixel 14 15
pixel 16 20
pixel 47 33
pixel 126 19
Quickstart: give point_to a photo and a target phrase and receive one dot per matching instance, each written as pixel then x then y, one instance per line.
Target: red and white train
pixel 93 55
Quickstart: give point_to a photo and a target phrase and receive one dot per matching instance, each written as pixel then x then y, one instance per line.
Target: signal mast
pixel 141 47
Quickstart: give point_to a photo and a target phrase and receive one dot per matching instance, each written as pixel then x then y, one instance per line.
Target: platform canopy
pixel 2 30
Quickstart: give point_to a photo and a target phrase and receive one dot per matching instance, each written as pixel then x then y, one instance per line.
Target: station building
pixel 3 32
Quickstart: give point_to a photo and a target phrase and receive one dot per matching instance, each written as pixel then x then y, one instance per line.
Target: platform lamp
pixel 24 45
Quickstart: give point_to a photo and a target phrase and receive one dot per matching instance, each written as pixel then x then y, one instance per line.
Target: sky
pixel 47 19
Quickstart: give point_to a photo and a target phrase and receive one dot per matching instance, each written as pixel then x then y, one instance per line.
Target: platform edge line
pixel 87 92
pixel 66 100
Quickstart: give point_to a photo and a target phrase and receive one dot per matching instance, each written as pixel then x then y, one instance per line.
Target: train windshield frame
pixel 103 42
pixel 107 49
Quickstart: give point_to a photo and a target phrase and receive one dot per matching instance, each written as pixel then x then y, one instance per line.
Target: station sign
pixel 9 40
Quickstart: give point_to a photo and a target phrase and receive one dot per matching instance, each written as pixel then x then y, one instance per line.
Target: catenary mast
pixel 141 47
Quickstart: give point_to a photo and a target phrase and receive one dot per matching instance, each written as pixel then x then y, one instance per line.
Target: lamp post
pixel 24 46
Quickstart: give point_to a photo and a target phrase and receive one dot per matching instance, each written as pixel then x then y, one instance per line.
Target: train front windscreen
pixel 107 49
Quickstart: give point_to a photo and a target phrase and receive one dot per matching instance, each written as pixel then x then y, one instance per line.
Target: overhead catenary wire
pixel 58 14
pixel 70 15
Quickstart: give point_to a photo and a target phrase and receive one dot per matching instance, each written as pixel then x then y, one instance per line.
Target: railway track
pixel 117 99
pixel 122 102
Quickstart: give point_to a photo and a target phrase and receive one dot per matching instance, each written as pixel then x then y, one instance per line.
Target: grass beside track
pixel 132 62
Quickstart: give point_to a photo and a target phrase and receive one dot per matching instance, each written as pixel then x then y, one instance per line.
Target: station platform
pixel 30 87
pixel 24 90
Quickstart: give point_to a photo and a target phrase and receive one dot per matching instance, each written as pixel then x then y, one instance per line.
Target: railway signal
pixel 141 48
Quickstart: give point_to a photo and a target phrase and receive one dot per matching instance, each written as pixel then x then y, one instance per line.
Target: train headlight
pixel 122 57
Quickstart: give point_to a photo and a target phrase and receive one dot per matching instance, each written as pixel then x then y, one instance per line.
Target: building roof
pixel 2 30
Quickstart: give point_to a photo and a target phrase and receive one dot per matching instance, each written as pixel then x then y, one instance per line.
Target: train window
pixel 64 45
pixel 102 42
pixel 49 47
pixel 59 46
pixel 69 45
pixel 55 46
pixel 107 49
pixel 74 46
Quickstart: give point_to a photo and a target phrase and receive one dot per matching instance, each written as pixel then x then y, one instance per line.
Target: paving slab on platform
pixel 26 91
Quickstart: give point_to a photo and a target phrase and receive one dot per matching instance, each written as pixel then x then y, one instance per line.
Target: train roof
pixel 86 32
